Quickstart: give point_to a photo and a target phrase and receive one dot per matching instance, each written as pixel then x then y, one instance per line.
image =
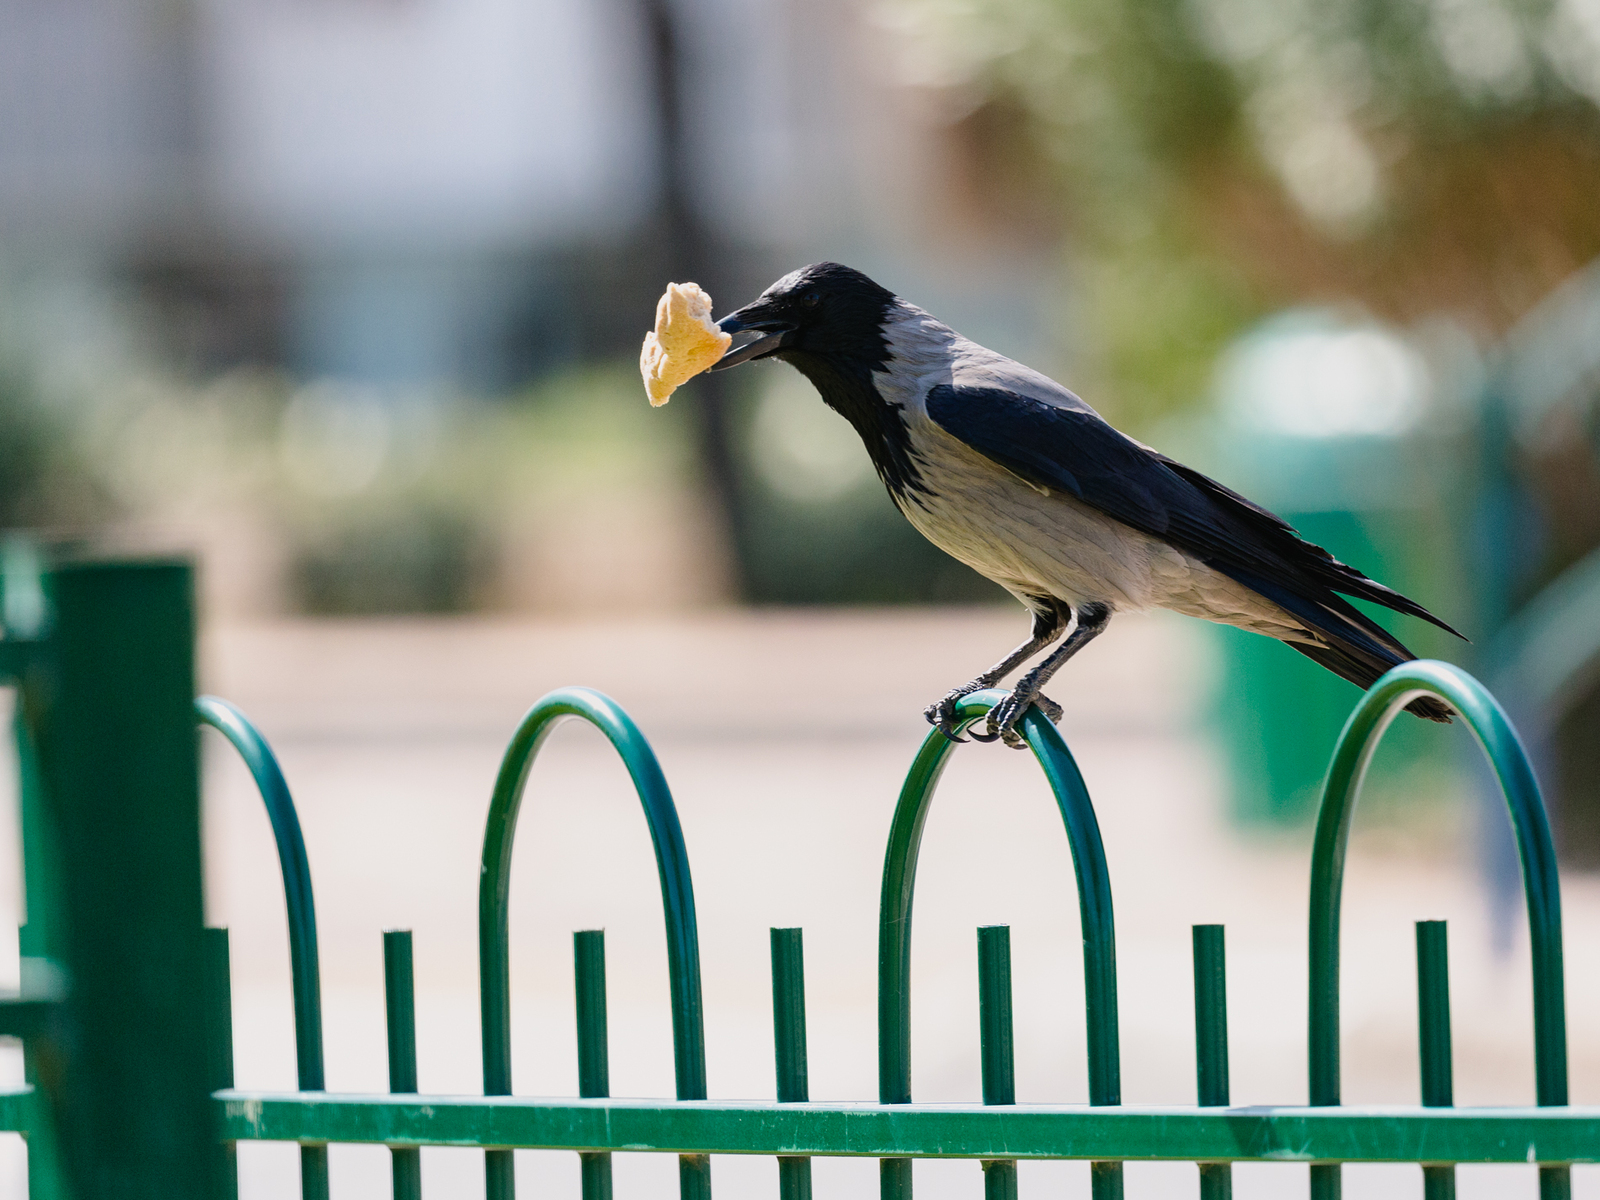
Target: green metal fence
pixel 123 1051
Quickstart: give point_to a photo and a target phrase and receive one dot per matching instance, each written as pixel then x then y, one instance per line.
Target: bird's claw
pixel 1004 717
pixel 942 714
pixel 1001 723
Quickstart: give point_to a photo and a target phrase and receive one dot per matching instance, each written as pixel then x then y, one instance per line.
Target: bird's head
pixel 827 312
pixel 830 322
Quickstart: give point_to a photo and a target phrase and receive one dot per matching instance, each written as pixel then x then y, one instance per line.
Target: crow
pixel 1014 475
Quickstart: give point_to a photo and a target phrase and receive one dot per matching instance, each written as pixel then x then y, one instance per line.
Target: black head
pixel 825 311
pixel 827 320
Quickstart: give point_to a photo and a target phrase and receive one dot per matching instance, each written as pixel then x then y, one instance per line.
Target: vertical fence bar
pixel 1433 1043
pixel 400 1010
pixel 39 945
pixel 1211 1044
pixel 24 622
pixel 996 1046
pixel 24 625
pixel 594 1054
pixel 46 1178
pixel 119 785
pixel 789 1048
pixel 219 1048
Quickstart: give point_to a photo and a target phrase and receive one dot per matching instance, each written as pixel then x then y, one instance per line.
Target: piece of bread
pixel 683 343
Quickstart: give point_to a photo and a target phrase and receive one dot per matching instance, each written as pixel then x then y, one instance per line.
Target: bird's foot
pixel 1003 718
pixel 942 714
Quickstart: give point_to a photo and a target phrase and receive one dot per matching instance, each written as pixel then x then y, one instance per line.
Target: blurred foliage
pixel 336 498
pixel 45 480
pixel 854 550
pixel 426 503
pixel 1216 159
pixel 384 508
pixel 816 525
pixel 386 559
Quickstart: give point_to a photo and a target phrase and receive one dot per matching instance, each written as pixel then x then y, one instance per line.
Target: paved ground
pixel 784 736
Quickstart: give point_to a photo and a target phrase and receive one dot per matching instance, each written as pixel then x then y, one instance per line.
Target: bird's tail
pixel 1347 641
pixel 1358 666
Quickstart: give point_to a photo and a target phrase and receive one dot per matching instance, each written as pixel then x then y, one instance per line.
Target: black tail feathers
pixel 1361 669
pixel 1350 644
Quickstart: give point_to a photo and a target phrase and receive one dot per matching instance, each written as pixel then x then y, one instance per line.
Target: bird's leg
pixel 1050 621
pixel 1003 717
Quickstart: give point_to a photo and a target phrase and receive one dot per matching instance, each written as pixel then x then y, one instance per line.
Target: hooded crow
pixel 1011 473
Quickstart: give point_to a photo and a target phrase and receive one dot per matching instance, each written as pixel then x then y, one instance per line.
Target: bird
pixel 1011 473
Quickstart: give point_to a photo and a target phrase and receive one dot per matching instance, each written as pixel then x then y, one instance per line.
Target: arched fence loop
pixel 1094 907
pixel 1541 885
pixel 297 894
pixel 299 904
pixel 677 899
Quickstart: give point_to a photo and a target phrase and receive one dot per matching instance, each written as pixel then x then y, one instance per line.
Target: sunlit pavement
pixel 784 736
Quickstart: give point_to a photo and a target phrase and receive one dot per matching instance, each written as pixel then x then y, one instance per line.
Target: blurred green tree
pixel 1212 160
pixel 44 482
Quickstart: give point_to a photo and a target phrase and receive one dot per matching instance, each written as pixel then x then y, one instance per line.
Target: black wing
pixel 1074 451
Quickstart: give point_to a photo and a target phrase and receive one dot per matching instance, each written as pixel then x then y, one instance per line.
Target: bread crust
pixel 683 343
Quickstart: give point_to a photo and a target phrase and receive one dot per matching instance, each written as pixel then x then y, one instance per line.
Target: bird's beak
pixel 775 335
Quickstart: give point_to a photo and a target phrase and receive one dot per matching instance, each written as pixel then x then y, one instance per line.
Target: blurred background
pixel 346 298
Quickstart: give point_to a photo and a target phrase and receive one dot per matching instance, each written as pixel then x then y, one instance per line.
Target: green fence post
pixel 39 944
pixel 1433 1043
pixel 594 1048
pixel 1211 1044
pixel 219 1049
pixel 996 1046
pixel 400 1013
pixel 46 1179
pixel 119 782
pixel 789 1048
pixel 24 625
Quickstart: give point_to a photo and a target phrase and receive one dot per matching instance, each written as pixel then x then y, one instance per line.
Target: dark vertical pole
pixel 46 1179
pixel 24 622
pixel 995 1040
pixel 1211 1044
pixel 40 945
pixel 594 1054
pixel 1433 1042
pixel 789 1048
pixel 694 254
pixel 894 1179
pixel 400 1009
pixel 219 1049
pixel 115 736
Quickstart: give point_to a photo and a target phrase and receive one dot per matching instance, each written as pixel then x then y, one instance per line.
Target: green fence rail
pixel 69 700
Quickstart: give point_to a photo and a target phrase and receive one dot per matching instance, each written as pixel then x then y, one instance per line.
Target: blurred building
pixel 413 190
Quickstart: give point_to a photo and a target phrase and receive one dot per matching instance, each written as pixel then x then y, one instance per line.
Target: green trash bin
pixel 1336 425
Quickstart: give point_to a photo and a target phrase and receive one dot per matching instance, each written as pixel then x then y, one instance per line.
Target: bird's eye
pixel 811 299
